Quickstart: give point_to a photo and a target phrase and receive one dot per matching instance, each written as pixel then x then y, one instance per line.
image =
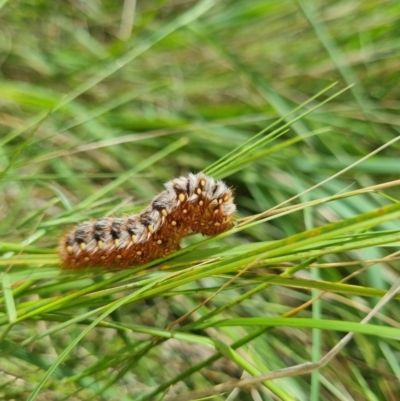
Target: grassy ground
pixel 294 104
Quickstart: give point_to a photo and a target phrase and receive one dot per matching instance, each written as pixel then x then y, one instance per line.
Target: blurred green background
pixel 102 101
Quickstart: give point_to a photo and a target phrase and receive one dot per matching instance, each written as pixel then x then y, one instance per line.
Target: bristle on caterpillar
pixel 189 205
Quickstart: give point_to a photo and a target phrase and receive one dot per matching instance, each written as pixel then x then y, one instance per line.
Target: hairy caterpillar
pixel 188 205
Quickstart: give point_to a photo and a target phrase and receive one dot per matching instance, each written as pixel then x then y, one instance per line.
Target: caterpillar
pixel 193 204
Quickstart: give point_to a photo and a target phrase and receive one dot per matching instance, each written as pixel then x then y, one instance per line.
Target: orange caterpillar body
pixel 189 205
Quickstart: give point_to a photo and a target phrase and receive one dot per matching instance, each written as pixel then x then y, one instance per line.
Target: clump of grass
pixel 95 117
